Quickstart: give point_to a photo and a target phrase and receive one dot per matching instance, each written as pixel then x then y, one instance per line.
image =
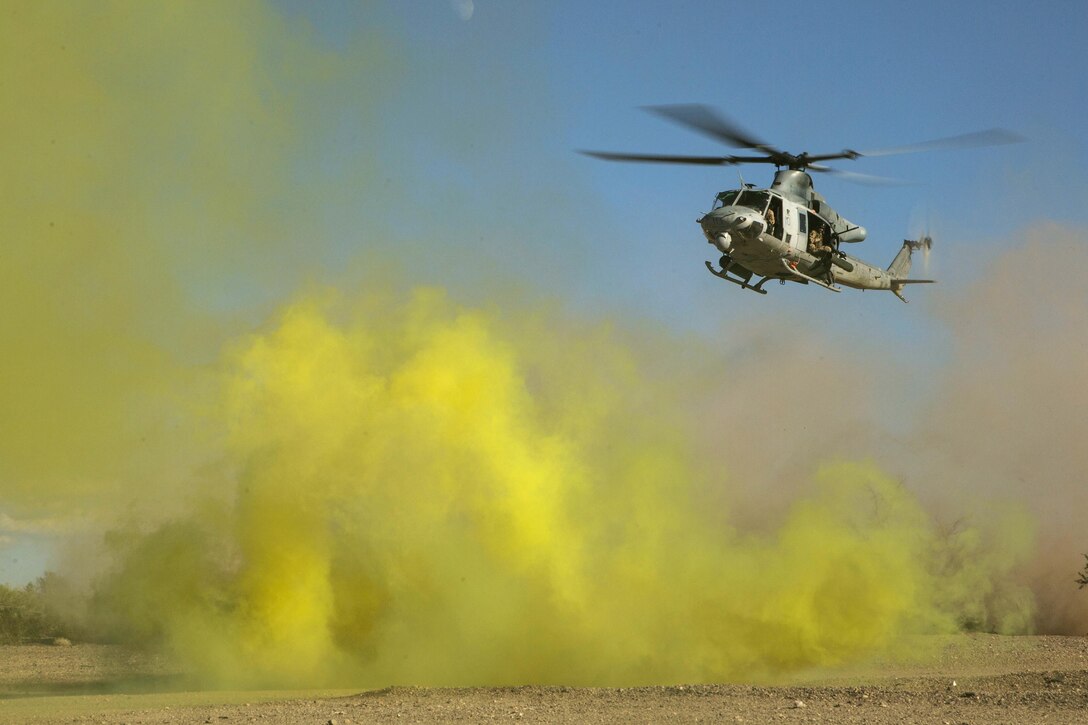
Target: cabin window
pixel 802 223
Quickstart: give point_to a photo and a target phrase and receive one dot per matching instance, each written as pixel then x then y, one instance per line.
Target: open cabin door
pixel 774 218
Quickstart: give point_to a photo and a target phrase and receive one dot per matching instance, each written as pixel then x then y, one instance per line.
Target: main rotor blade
pixel 989 137
pixel 857 178
pixel 709 122
pixel 844 154
pixel 680 159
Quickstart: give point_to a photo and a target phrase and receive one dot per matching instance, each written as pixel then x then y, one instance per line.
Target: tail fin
pixel 900 266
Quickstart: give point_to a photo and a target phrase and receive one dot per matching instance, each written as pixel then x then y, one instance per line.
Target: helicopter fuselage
pixel 777 233
pixel 738 234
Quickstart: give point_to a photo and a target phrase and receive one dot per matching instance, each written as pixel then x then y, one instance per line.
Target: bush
pixel 25 615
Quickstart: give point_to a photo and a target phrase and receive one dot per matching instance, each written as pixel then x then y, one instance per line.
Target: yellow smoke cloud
pixel 148 151
pixel 414 506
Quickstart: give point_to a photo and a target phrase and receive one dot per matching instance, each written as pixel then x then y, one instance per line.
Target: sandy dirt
pixel 964 679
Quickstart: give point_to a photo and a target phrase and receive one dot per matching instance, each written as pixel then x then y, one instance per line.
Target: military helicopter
pixel 789 232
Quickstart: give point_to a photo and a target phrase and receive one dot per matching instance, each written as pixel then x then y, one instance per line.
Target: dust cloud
pixel 385 486
pixel 1005 429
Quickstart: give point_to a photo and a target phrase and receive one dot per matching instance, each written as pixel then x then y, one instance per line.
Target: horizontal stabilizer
pixel 897 285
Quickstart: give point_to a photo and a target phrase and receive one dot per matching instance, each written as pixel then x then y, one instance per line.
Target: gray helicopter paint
pixel 742 233
pixel 796 186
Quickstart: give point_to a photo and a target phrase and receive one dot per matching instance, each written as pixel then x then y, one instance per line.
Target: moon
pixel 464 8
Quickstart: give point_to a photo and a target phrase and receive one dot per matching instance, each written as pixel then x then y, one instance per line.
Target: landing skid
pixel 795 272
pixel 739 281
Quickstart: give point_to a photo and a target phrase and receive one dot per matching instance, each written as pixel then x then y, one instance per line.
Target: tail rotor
pixel 921 231
pixel 925 244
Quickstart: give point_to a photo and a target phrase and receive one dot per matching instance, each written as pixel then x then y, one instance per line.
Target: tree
pixel 26 613
pixel 1082 579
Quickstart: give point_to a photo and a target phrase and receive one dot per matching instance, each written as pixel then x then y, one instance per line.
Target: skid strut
pixel 723 273
pixel 795 272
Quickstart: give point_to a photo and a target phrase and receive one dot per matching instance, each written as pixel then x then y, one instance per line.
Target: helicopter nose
pixel 733 220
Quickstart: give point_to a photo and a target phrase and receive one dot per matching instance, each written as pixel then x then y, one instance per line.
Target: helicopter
pixel 788 231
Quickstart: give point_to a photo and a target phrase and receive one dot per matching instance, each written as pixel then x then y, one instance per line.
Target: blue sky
pixel 481 126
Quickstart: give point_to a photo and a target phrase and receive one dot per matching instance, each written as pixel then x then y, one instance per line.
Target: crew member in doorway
pixel 818 247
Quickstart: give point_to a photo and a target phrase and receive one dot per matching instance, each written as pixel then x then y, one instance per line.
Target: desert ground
pixel 960 679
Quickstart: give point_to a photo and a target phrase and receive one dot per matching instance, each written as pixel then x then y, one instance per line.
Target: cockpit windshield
pixel 747 197
pixel 754 200
pixel 726 198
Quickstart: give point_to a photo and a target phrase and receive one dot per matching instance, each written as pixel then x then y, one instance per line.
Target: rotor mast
pixel 794 184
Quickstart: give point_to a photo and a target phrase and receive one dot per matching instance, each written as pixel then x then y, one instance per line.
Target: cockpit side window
pixel 754 200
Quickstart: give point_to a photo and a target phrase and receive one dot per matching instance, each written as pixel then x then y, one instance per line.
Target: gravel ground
pixel 967 679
